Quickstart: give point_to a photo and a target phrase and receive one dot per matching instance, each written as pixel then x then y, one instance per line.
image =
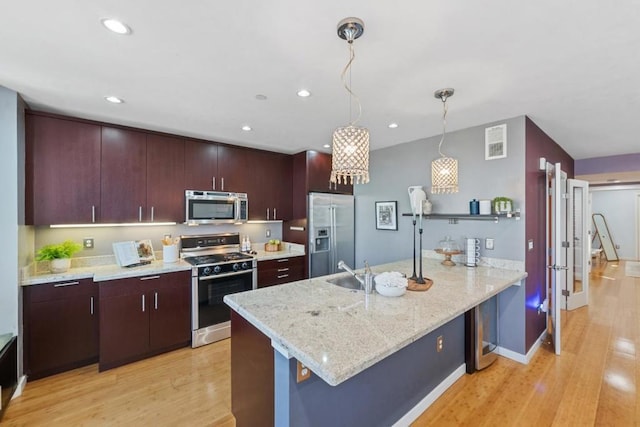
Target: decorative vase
pixel 59 265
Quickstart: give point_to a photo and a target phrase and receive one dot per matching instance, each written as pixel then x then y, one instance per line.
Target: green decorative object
pixel 502 205
pixel 58 255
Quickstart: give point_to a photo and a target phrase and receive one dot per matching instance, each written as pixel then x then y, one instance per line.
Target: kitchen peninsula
pixel 373 358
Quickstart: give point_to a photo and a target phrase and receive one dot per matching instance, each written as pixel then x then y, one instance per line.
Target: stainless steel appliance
pixel 331 232
pixel 219 269
pixel 215 207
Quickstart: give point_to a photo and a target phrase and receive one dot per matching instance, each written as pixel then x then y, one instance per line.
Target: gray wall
pixel 396 168
pixel 618 205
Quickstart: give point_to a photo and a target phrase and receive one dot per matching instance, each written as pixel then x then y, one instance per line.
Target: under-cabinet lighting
pixel 122 224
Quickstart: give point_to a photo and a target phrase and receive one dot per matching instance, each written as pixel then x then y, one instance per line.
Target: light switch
pixel 488 243
pixel 530 244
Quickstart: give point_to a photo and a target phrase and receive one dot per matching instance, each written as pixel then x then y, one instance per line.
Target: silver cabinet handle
pixel 282 276
pixel 213 182
pixel 149 277
pixel 267 214
pixel 143 303
pixel 93 213
pixel 283 269
pixel 139 213
pixel 274 213
pixel 152 208
pixel 283 259
pixel 155 300
pixel 91 306
pixel 60 285
pixel 222 183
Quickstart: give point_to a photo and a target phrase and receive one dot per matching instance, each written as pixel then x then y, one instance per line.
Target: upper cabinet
pixel 62 171
pixel 83 172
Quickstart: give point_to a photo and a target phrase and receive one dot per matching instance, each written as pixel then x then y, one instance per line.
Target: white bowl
pixel 390 291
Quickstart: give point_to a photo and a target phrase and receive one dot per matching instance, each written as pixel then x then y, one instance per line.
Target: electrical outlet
pixel 488 243
pixel 303 374
pixel 439 343
pixel 87 243
pixel 530 244
pixel 267 232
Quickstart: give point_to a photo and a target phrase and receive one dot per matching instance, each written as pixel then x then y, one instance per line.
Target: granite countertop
pixel 104 268
pixel 338 332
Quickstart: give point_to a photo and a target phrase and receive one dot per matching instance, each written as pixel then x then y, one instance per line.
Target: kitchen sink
pixel 346 281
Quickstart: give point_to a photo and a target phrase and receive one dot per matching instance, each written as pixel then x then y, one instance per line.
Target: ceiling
pixel 195 68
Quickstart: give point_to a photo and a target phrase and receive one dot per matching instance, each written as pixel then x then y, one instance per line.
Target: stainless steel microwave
pixel 215 207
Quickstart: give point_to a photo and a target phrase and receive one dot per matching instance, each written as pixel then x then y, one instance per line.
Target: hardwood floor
pixel 593 382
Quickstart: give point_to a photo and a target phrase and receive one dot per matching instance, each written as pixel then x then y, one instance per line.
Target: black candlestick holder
pixel 413 275
pixel 420 280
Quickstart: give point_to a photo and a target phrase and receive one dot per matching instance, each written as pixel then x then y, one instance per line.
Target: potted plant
pixel 502 205
pixel 58 255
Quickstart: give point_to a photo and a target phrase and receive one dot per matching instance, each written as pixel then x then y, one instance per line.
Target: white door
pixel 578 254
pixel 556 265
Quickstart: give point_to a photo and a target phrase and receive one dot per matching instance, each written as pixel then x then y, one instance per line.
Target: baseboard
pixel 428 400
pixel 523 358
pixel 22 382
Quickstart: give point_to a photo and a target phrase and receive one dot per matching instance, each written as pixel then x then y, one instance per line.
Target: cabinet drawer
pixel 279 271
pixel 60 290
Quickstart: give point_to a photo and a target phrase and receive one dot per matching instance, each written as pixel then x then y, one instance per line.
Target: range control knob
pixel 236 267
pixel 217 269
pixel 245 265
pixel 206 271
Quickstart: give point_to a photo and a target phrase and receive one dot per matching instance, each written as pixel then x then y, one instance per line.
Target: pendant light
pixel 444 171
pixel 350 155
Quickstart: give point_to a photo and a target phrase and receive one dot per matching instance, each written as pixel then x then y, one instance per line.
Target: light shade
pixel 444 176
pixel 350 156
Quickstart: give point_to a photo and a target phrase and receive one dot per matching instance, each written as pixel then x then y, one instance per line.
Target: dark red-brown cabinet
pixel 268 185
pixel 60 326
pixel 165 178
pixel 278 271
pixel 201 165
pixel 62 170
pixel 143 316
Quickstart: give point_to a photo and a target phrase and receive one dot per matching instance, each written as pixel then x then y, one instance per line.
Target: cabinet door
pixel 124 322
pixel 319 173
pixel 169 310
pixel 124 175
pixel 269 185
pixel 165 179
pixel 61 326
pixel 233 169
pixel 63 171
pixel 201 166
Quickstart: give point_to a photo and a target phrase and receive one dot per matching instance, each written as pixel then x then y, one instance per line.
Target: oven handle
pixel 234 273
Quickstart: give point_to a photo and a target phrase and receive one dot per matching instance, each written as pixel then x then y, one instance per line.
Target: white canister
pixel 485 207
pixel 170 253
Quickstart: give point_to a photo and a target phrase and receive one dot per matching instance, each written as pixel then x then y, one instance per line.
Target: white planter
pixel 59 265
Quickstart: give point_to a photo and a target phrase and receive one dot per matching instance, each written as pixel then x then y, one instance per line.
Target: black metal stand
pixel 413 276
pixel 420 279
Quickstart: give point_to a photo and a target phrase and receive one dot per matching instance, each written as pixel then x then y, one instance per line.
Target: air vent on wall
pixel 495 142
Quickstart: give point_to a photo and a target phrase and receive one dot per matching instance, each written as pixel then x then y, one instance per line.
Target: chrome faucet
pixel 366 281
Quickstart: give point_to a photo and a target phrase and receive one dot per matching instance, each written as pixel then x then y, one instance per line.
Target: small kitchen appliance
pixel 219 269
pixel 215 207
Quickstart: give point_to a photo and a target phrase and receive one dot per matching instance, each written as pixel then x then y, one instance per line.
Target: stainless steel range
pixel 219 269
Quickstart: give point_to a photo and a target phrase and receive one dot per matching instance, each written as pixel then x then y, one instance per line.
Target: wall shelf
pixel 454 217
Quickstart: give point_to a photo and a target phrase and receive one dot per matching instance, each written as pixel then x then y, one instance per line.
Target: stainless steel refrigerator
pixel 331 232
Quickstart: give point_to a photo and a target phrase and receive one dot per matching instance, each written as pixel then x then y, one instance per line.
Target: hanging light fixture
pixel 444 171
pixel 350 157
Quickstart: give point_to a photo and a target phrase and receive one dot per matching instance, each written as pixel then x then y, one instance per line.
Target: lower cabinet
pixel 60 326
pixel 279 271
pixel 143 316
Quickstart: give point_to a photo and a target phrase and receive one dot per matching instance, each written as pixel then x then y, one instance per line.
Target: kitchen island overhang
pixel 339 334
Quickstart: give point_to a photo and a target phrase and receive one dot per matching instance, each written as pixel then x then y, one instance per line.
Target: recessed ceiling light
pixel 116 26
pixel 246 128
pixel 326 146
pixel 114 99
pixel 393 125
pixel 303 93
pixel 261 97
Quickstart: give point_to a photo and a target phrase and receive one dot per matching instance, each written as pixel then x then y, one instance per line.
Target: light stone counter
pixel 102 272
pixel 291 250
pixel 338 333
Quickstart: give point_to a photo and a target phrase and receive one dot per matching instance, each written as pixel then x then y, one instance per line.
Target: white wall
pixel 618 205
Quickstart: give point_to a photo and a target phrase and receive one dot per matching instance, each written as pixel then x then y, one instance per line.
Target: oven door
pixel 211 316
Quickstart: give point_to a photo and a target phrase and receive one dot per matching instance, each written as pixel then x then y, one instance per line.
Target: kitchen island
pixel 372 358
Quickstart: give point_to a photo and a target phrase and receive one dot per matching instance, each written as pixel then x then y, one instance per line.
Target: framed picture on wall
pixel 386 215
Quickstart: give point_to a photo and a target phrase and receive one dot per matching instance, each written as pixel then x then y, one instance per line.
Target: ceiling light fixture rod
pixel 350 29
pixel 443 94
